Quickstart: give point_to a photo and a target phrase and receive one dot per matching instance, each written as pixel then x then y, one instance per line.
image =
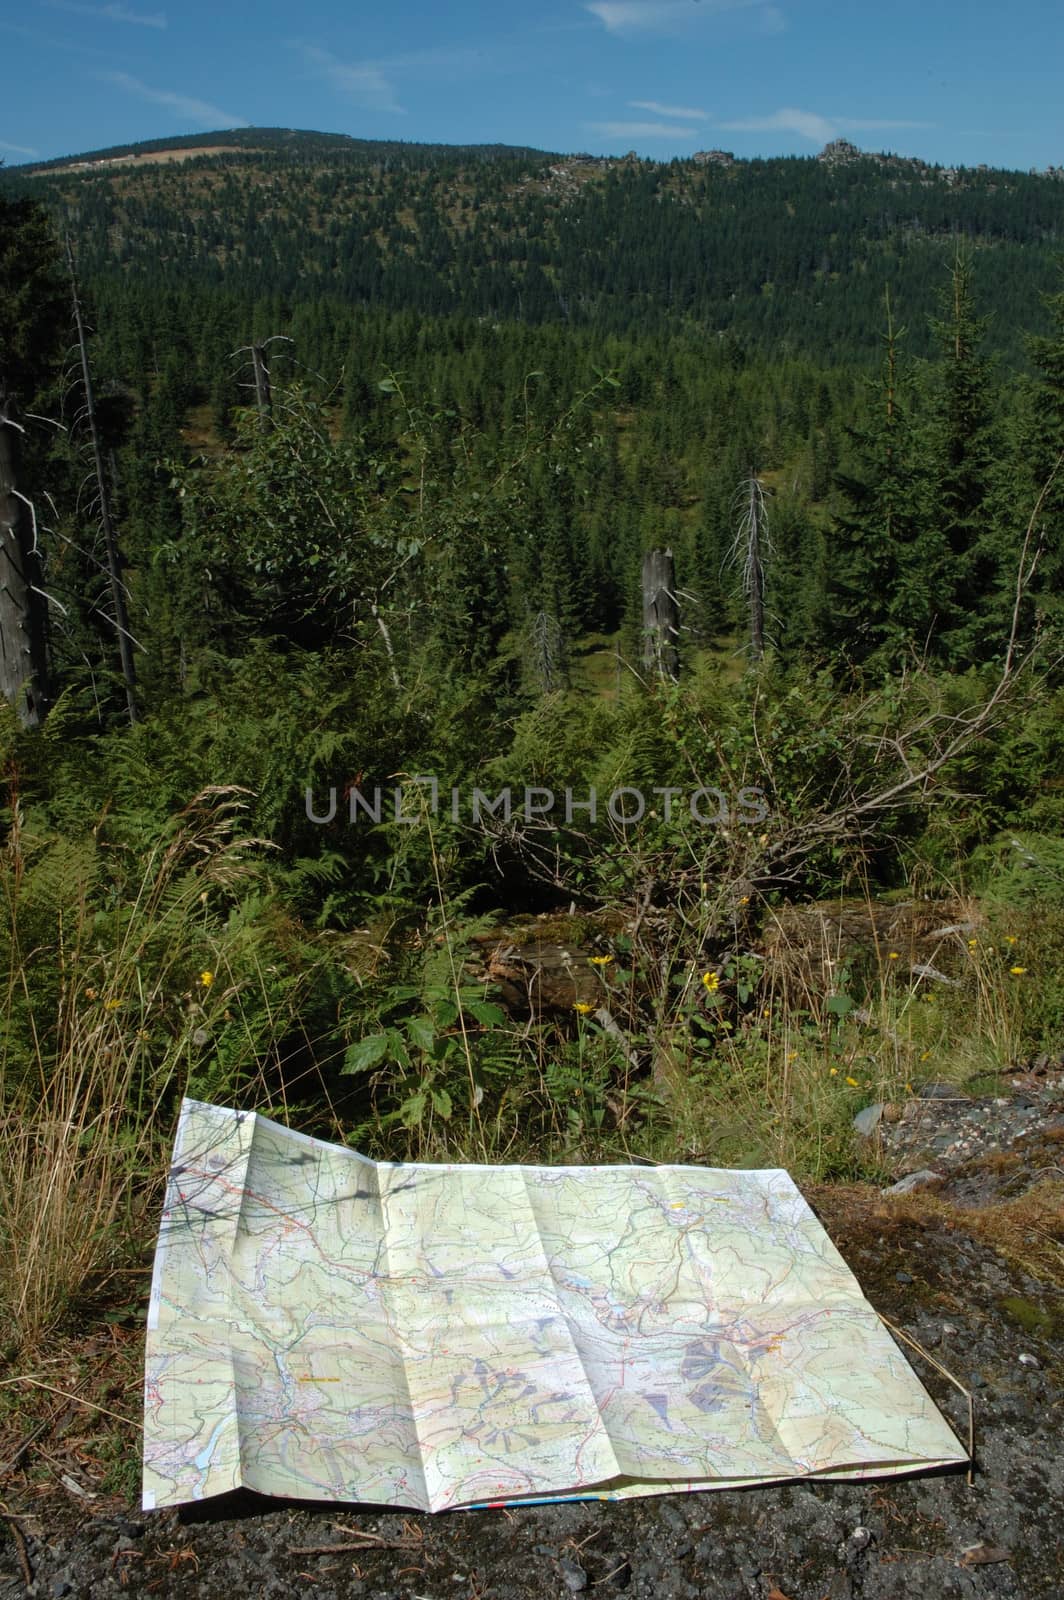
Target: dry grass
pixel 96 1030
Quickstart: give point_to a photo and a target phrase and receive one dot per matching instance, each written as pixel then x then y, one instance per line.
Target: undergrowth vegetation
pixel 164 938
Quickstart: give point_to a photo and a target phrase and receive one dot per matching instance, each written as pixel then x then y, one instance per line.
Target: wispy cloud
pixel 363 81
pixel 185 106
pixel 814 127
pixel 113 12
pixel 18 149
pixel 687 112
pixel 641 130
pixel 660 16
pixel 49 41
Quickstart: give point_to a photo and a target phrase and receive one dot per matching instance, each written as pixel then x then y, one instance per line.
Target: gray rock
pixel 867 1121
pixel 941 1091
pixel 573 1576
pixel 914 1180
pixel 903 1277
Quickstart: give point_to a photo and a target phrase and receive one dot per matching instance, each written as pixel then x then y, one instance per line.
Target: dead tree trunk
pixel 118 598
pixel 748 551
pixel 23 606
pixel 661 615
pixel 757 574
pixel 263 397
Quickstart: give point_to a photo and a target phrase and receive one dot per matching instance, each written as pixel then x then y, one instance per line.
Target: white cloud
pixel 184 105
pixel 641 130
pixel 814 127
pixel 18 149
pixel 668 111
pixel 112 12
pixel 363 81
pixel 661 16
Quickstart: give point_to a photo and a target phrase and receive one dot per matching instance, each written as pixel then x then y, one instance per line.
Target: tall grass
pixel 103 999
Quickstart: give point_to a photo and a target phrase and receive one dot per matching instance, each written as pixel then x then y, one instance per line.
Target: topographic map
pixel 326 1327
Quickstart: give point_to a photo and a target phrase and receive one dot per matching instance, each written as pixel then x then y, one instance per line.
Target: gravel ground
pixel 995 1328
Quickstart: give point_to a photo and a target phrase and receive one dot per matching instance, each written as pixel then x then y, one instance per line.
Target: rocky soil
pixel 927 1262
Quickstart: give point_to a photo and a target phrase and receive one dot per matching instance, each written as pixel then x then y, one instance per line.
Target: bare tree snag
pixel 661 615
pixel 23 606
pixel 118 598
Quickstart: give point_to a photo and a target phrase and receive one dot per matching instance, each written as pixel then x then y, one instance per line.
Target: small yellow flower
pixel 893 956
pixel 834 1072
pixel 711 981
pixel 600 961
pixel 766 1012
pixel 206 979
pixel 908 1088
pixel 744 900
pixel 1010 939
pixel 973 944
pixel 926 1056
pixel 853 1083
pixel 1017 972
pixel 111 1005
pixel 792 1055
pixel 583 1007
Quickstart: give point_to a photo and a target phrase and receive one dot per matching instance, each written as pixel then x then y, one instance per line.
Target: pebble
pixel 861 1538
pixel 902 1277
pixel 573 1576
pixel 1030 1361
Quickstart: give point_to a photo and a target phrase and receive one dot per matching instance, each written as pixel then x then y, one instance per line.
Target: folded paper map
pixel 327 1327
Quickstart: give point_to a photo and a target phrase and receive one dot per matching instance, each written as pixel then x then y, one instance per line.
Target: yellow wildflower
pixel 908 1088
pixel 893 956
pixel 853 1083
pixel 583 1007
pixel 206 979
pixel 744 900
pixel 1017 972
pixel 972 944
pixel 1010 938
pixel 711 981
pixel 600 961
pixel 111 1005
pixel 834 1072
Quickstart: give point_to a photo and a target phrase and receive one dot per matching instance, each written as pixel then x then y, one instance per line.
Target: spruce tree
pixel 886 559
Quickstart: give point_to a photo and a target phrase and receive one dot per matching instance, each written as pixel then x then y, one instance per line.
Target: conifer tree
pixel 886 560
pixel 964 449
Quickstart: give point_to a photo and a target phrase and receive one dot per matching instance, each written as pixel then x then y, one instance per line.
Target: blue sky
pixel 956 83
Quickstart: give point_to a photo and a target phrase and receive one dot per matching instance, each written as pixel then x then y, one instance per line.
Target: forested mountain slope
pixel 784 252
